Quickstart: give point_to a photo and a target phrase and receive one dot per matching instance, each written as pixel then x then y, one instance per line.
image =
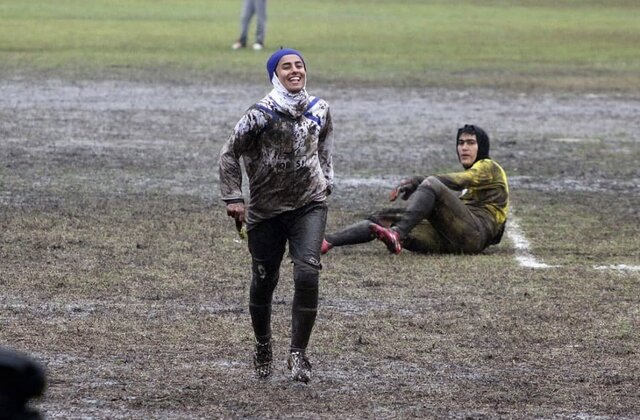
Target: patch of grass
pixel 164 332
pixel 565 45
pixel 581 234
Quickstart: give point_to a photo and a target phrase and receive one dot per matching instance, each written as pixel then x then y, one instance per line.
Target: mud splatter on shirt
pixel 287 160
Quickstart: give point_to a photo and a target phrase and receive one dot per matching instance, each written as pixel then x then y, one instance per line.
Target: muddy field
pixel 121 273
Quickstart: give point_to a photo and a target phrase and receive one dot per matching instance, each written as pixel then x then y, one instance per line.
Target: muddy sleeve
pixel 325 151
pixel 479 174
pixel 238 143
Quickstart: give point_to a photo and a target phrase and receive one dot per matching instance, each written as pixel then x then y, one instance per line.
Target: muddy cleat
pixel 262 359
pixel 299 366
pixel 390 237
pixel 326 246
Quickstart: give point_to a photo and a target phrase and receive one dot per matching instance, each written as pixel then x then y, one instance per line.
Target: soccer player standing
pixel 285 142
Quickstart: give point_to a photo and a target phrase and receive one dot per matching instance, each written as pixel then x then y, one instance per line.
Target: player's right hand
pixel 237 211
pixel 405 188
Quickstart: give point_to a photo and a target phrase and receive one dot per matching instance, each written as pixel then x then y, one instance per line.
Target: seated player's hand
pixel 405 188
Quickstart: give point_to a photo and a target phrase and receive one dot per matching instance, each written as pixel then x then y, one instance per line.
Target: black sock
pixel 261 322
pixel 355 234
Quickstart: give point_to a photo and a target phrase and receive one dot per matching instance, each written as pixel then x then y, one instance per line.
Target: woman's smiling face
pixel 291 73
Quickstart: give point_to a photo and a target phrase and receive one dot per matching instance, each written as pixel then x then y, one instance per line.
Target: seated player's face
pixel 291 73
pixel 467 149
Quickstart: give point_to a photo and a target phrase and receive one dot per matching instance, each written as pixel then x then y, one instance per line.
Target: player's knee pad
pixel 305 277
pixel 306 288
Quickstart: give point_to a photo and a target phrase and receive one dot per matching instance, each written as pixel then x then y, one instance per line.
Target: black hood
pixel 481 137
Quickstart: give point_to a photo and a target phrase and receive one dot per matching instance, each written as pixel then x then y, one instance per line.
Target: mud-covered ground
pixel 121 273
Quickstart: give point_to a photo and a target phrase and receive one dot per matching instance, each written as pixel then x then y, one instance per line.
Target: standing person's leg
pixel 267 245
pixel 247 12
pixel 261 24
pixel 306 232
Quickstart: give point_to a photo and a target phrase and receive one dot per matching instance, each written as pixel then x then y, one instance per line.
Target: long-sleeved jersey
pixel 486 191
pixel 288 161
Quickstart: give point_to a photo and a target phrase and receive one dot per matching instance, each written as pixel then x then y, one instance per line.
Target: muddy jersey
pixel 485 191
pixel 287 160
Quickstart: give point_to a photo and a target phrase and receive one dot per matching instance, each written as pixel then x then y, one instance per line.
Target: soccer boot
pixel 390 237
pixel 262 359
pixel 299 366
pixel 326 246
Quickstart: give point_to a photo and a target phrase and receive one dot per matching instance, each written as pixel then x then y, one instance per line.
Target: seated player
pixel 460 212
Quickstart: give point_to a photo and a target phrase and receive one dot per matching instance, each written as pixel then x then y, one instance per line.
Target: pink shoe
pixel 390 237
pixel 326 246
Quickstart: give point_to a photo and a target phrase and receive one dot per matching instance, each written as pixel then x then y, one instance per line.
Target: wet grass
pixel 122 274
pixel 140 309
pixel 562 45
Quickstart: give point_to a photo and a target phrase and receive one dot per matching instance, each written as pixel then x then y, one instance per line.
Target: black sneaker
pixel 262 359
pixel 299 366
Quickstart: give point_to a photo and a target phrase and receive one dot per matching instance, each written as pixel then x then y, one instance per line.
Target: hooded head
pixel 272 62
pixel 481 137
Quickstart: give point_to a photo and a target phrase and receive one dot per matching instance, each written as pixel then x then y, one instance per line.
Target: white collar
pixel 293 104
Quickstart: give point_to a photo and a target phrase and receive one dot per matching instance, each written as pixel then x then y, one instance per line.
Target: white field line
pixel 525 259
pixel 618 267
pixel 521 244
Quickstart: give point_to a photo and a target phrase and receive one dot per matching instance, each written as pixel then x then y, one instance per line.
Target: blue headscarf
pixel 273 61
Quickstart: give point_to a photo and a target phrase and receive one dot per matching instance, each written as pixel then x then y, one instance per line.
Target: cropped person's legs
pixel 261 17
pixel 247 12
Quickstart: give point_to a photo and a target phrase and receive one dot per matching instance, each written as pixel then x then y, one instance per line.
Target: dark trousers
pixel 303 229
pixel 448 226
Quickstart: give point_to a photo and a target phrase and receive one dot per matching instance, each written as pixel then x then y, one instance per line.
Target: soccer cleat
pixel 262 359
pixel 299 366
pixel 390 237
pixel 326 246
pixel 237 45
pixel 258 46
